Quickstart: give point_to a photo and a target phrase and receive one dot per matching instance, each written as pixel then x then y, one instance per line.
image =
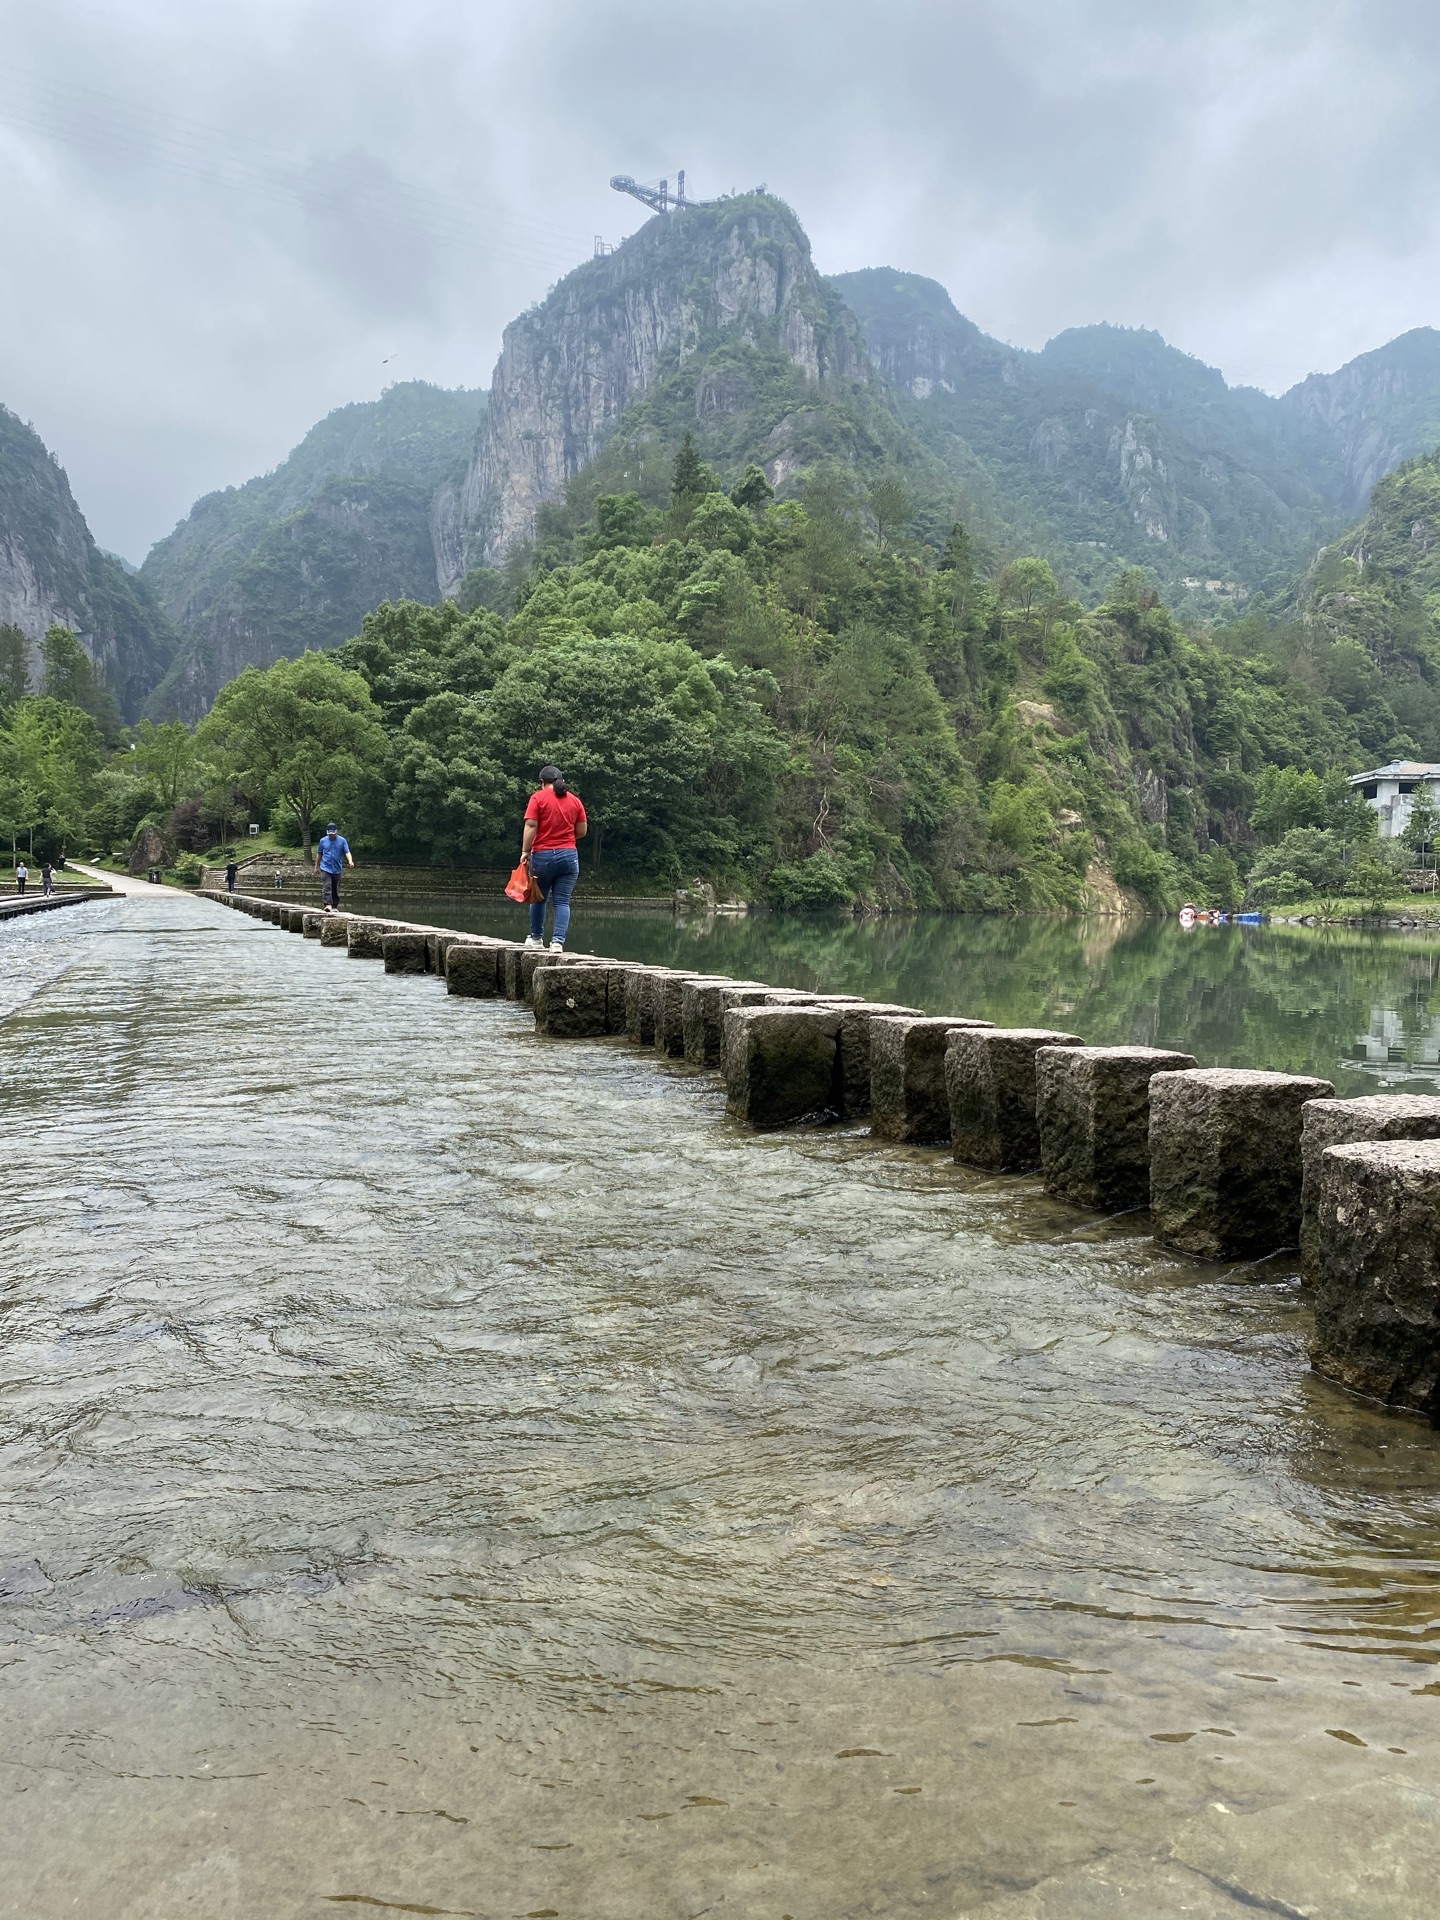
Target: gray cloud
pixel 219 222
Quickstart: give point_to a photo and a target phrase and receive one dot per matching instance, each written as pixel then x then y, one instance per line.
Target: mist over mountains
pixel 1105 449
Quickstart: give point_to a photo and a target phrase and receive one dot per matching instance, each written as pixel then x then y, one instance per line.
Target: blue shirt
pixel 333 849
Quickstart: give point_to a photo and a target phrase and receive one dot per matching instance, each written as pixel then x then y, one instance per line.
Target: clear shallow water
pixel 450 1471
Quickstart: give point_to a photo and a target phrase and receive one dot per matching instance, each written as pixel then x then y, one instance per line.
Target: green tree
pixel 167 755
pixel 14 665
pixel 892 505
pixel 752 491
pixel 69 675
pixel 690 478
pixel 303 733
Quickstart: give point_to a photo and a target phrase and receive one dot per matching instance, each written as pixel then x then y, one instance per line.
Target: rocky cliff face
pixel 1378 410
pixel 52 572
pixel 686 290
pixel 297 557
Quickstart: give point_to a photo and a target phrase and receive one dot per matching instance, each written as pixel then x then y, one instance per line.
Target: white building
pixel 1391 791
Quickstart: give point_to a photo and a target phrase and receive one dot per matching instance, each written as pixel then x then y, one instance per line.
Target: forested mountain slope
pixel 296 557
pixel 52 573
pixel 1110 445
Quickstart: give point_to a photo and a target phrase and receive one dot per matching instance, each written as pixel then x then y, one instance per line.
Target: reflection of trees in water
pixel 1293 998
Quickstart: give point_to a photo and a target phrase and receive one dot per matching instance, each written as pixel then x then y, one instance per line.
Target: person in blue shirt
pixel 332 856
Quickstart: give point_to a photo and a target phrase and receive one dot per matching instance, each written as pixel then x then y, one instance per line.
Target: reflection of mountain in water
pixel 1396 1051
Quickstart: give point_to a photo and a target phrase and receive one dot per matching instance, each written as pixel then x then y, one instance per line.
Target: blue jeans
pixel 556 870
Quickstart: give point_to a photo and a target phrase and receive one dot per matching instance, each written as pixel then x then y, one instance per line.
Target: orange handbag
pixel 522 886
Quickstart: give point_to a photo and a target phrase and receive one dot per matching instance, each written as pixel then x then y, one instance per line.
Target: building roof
pixel 1400 770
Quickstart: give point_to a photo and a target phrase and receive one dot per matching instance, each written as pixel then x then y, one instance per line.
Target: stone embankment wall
pixel 1233 1165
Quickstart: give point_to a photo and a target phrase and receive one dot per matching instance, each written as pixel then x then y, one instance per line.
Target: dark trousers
pixel 330 889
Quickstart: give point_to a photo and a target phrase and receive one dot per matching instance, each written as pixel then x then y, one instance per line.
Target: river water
pixel 448 1471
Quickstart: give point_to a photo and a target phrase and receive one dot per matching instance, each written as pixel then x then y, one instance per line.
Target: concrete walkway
pixel 122 882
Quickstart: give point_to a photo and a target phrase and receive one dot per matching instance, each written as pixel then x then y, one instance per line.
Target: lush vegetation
pixel 812 701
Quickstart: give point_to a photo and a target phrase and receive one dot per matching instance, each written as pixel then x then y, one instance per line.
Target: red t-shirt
pixel 556 819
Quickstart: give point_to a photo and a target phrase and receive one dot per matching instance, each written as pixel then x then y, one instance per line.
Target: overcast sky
pixel 219 221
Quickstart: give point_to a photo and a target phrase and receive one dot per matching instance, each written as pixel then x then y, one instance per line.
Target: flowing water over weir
pixel 451 1471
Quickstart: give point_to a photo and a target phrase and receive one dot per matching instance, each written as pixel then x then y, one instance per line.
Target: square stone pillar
pixel 473 970
pixel 335 929
pixel 571 1001
pixel 990 1082
pixel 640 1004
pixel 439 941
pixel 1339 1123
pixel 405 952
pixel 314 924
pixel 1377 1292
pixel 782 1064
pixel 1225 1159
pixel 735 996
pixel 908 1096
pixel 855 1022
pixel 1092 1110
pixel 702 1015
pixel 668 1012
pixel 366 938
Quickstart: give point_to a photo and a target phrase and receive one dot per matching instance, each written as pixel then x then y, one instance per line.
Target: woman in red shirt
pixel 554 821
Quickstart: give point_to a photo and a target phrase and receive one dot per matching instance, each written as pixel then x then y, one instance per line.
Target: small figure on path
pixel 332 856
pixel 22 874
pixel 554 821
pixel 47 878
pixel 232 868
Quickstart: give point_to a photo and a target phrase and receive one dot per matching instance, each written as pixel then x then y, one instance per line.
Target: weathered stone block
pixel 1339 1123
pixel 314 922
pixel 669 1010
pixel 571 1001
pixel 1377 1292
pixel 1225 1159
pixel 474 970
pixel 294 920
pixel 366 938
pixel 908 1097
pixel 1093 1114
pixel 640 1004
pixel 701 1016
pixel 782 1064
pixel 738 996
pixel 438 941
pixel 990 1083
pixel 335 930
pixel 855 1052
pixel 405 952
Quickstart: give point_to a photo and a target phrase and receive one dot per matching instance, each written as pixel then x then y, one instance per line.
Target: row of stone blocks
pixel 1232 1163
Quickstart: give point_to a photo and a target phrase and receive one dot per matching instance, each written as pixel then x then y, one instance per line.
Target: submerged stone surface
pixel 473 970
pixel 1335 1123
pixel 908 1096
pixel 1225 1159
pixel 1377 1290
pixel 571 1000
pixel 1092 1110
pixel 405 952
pixel 782 1064
pixel 990 1083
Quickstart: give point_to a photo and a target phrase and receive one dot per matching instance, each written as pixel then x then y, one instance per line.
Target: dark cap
pixel 549 773
pixel 332 828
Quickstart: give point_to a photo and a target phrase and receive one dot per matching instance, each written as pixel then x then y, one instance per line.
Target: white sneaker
pixel 557 946
pixel 532 942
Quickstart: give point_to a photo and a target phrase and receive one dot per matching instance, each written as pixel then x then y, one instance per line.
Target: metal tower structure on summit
pixel 656 196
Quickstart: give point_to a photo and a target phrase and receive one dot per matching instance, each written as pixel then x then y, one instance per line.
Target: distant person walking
pixel 22 874
pixel 332 856
pixel 554 821
pixel 47 878
pixel 231 870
